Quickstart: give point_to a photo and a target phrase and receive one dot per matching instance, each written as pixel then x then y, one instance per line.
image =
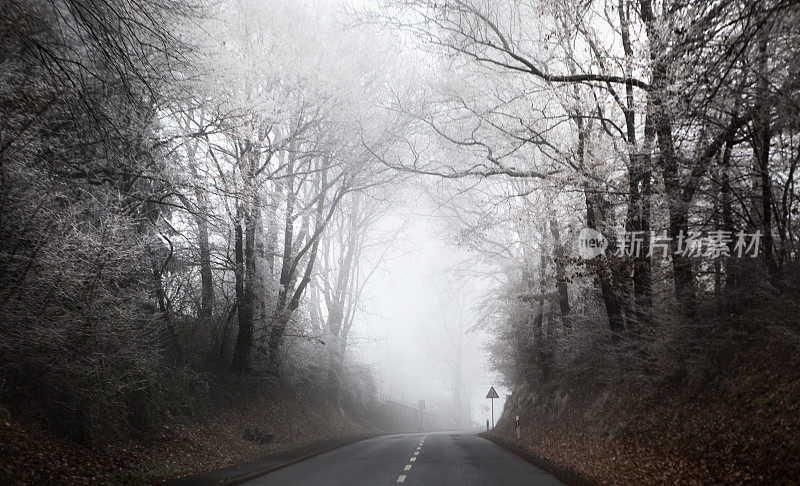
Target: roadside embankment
pixel 735 420
pixel 30 455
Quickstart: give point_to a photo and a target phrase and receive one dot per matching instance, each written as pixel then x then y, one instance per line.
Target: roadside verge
pixel 562 474
pixel 240 473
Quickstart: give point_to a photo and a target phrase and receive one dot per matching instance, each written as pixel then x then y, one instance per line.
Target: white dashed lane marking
pixel 412 459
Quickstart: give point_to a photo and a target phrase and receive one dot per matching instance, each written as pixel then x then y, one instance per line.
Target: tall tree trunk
pixel 335 366
pixel 640 225
pixel 285 314
pixel 245 246
pixel 338 300
pixel 784 218
pixel 594 220
pixel 289 295
pixel 201 219
pixel 762 138
pixel 174 345
pixel 639 179
pixel 281 320
pixel 206 275
pixel 616 320
pixel 561 278
pixel 543 352
pixel 683 276
pixel 206 312
pixel 727 213
pixel 244 338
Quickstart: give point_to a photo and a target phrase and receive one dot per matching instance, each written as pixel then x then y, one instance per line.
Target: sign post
pixel 492 394
pixel 485 409
pixel 516 422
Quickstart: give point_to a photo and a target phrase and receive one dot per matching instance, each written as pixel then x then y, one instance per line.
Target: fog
pixel 402 330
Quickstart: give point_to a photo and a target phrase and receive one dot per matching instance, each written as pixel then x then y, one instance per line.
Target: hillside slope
pixel 29 455
pixel 734 420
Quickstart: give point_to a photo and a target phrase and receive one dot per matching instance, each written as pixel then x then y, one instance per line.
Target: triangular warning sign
pixel 492 393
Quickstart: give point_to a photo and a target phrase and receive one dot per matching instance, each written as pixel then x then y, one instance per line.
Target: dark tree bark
pixel 543 354
pixel 247 216
pixel 639 184
pixel 561 278
pixel 727 213
pixel 337 298
pixel 244 337
pixel 175 354
pixel 206 276
pixel 683 276
pixel 761 141
pixel 594 220
pixel 289 295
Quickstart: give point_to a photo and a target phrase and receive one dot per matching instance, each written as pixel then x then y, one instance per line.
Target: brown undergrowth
pixel 735 421
pixel 29 455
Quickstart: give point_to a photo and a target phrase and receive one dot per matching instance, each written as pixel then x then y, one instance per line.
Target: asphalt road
pixel 434 458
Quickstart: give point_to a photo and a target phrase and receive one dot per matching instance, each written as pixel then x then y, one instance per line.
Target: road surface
pixel 434 458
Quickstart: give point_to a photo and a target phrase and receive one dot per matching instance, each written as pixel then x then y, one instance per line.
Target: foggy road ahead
pixel 435 458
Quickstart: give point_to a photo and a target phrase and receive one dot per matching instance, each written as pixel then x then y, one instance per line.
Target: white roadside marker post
pixel 516 422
